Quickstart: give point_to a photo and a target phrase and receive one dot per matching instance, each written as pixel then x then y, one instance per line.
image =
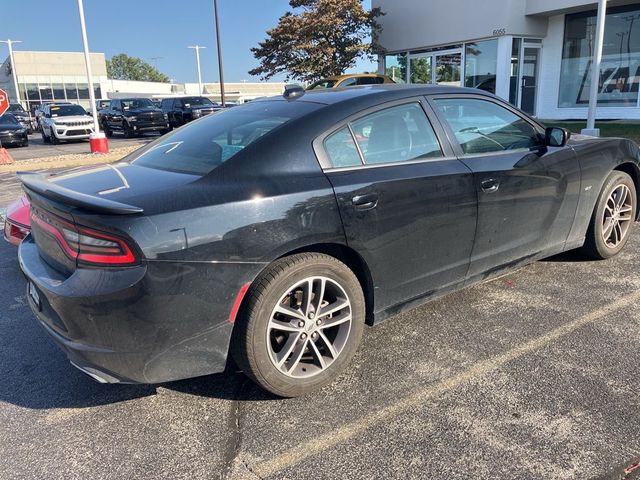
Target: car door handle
pixel 490 185
pixel 365 202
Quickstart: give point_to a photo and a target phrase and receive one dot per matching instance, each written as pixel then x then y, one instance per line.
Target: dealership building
pixel 536 54
pixel 48 76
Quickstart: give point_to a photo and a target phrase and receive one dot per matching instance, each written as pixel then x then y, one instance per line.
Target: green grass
pixel 607 129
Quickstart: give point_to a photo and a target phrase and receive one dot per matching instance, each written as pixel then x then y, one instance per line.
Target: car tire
pixel 291 354
pixel 54 140
pixel 128 132
pixel 107 131
pixel 45 139
pixel 612 218
pixel 164 131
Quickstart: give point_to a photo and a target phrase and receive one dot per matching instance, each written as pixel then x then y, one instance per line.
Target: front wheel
pixel 613 217
pixel 300 325
pixel 45 139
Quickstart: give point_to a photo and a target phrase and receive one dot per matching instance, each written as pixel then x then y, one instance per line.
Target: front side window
pixel 481 126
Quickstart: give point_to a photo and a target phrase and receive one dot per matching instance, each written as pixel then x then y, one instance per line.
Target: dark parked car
pixel 12 132
pixel 184 109
pixel 132 116
pixel 275 230
pixel 23 117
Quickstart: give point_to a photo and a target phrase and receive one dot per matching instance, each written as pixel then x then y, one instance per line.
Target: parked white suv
pixel 65 122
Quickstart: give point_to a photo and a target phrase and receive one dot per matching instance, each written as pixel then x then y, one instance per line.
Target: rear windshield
pixel 203 145
pixel 321 84
pixel 67 110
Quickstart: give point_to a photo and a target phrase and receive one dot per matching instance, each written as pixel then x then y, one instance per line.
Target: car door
pixel 527 192
pixel 408 205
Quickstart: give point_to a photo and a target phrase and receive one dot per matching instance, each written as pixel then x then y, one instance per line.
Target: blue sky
pixel 150 28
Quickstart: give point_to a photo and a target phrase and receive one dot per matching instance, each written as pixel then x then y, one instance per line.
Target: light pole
pixel 197 49
pixel 595 70
pixel 10 43
pixel 220 69
pixel 97 140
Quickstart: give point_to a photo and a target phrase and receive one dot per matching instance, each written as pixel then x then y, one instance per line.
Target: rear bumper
pixel 146 324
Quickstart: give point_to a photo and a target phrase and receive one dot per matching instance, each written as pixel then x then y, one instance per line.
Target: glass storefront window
pixel 420 70
pixel 96 91
pixel 46 93
pixel 396 67
pixel 58 91
pixel 83 91
pixel 448 69
pixel 480 66
pixel 620 69
pixel 515 71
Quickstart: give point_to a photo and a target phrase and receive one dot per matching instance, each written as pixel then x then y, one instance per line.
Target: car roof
pixel 382 92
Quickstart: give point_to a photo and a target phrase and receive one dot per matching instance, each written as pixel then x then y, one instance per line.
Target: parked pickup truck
pixel 133 116
pixel 182 110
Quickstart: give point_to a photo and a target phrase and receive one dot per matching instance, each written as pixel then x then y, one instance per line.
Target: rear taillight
pixel 15 233
pixel 84 244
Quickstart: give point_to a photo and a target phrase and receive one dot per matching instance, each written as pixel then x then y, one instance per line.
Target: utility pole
pixel 595 70
pixel 14 74
pixel 220 69
pixel 98 142
pixel 197 49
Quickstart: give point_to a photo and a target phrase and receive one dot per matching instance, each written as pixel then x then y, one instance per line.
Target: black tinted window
pixel 481 126
pixel 204 145
pixel 396 134
pixel 341 149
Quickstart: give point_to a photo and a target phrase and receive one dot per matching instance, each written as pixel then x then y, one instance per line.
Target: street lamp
pixel 10 43
pixel 197 49
pixel 97 140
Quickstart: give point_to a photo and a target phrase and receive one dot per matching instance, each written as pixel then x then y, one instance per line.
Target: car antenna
pixel 291 92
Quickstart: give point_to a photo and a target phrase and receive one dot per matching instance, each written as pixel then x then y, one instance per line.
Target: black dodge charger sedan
pixel 276 230
pixel 12 132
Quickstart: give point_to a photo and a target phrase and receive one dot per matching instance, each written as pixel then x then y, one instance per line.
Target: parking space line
pixel 335 437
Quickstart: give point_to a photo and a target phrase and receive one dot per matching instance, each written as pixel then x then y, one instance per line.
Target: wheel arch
pixel 351 259
pixel 631 168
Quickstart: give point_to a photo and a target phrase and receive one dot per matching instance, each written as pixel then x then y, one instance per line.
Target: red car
pixel 16 224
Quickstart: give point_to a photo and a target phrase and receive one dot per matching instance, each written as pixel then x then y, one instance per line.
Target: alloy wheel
pixel 617 216
pixel 309 327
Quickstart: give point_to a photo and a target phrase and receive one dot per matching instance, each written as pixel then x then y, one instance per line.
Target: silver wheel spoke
pixel 328 344
pixel 336 306
pixel 617 229
pixel 307 296
pixel 298 352
pixel 290 312
pixel 286 350
pixel 606 233
pixel 337 320
pixel 316 352
pixel 319 295
pixel 626 208
pixel 622 196
pixel 283 326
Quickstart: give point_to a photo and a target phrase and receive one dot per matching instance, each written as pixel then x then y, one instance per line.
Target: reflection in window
pixel 46 93
pixel 620 69
pixel 480 65
pixel 396 67
pixel 397 134
pixel 421 70
pixel 70 89
pixel 83 91
pixel 481 126
pixel 58 91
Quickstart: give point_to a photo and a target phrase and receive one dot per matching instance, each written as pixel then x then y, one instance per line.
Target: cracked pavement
pixel 532 375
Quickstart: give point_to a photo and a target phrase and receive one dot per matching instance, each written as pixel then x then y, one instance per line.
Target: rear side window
pixel 342 149
pixel 397 134
pixel 481 126
pixel 204 145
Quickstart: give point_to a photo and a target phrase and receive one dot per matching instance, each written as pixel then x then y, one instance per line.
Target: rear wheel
pixel 613 217
pixel 301 324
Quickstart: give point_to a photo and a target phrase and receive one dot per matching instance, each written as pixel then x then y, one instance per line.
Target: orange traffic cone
pixel 5 158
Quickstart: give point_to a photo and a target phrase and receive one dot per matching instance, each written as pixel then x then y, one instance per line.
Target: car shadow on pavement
pixel 572 256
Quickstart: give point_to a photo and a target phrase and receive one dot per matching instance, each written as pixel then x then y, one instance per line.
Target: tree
pixel 124 67
pixel 320 38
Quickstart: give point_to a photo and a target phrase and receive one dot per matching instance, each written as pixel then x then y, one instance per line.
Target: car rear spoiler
pixel 37 182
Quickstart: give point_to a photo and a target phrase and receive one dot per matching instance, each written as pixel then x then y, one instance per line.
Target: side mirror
pixel 556 136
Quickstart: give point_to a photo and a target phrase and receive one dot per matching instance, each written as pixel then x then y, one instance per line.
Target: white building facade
pixel 534 53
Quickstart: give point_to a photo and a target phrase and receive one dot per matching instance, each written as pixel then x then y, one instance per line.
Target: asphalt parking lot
pixel 38 149
pixel 533 375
